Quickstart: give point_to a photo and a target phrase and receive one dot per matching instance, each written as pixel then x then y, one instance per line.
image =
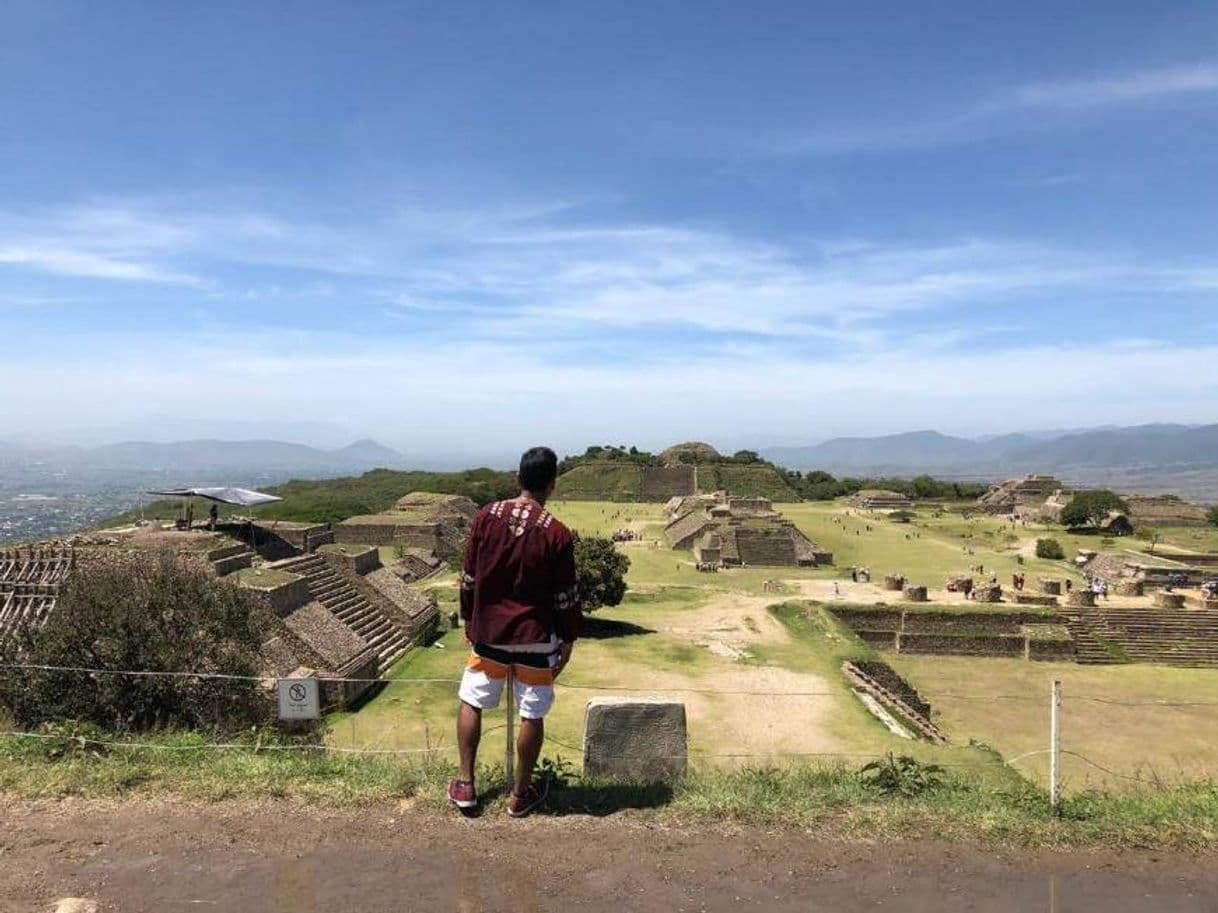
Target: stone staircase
pixel 328 586
pixel 229 558
pixel 1088 650
pixel 1175 638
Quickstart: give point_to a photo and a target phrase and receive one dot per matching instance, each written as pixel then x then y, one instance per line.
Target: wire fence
pixel 1054 749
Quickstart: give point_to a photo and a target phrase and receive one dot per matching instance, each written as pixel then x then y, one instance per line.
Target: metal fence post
pixel 509 728
pixel 1055 748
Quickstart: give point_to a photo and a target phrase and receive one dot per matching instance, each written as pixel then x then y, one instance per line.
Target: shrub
pixel 601 571
pixel 901 776
pixel 150 613
pixel 1050 548
pixel 1212 515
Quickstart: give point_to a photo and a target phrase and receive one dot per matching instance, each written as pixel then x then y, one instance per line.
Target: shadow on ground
pixel 607 628
pixel 601 799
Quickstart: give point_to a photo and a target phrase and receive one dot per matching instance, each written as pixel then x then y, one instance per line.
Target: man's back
pixel 518 587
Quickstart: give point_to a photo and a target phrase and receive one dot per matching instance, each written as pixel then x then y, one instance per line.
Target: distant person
pixel 213 517
pixel 520 603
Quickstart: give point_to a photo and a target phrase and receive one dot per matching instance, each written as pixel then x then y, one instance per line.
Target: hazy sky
pixel 462 227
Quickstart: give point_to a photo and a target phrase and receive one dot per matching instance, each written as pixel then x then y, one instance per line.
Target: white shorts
pixel 483 680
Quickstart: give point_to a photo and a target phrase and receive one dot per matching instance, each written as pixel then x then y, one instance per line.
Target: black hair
pixel 538 468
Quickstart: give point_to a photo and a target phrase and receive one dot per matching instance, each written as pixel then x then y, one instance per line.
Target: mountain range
pixel 1158 447
pixel 207 456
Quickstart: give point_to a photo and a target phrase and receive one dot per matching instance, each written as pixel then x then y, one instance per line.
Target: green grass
pixel 828 799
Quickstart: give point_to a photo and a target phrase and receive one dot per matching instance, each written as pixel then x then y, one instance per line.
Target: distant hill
pixel 1145 445
pixel 211 456
pixel 616 480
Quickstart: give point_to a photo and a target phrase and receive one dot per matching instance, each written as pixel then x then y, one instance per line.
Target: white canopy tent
pixel 242 497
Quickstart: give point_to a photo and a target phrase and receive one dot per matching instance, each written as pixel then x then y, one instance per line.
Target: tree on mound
pixel 1091 508
pixel 601 571
pixel 150 613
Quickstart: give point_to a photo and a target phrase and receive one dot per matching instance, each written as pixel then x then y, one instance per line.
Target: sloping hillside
pixel 617 481
pixel 601 481
pixel 756 481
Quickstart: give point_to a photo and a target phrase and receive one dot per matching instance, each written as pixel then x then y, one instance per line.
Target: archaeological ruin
pixel 1024 495
pixel 735 532
pixel 878 499
pixel 333 610
pixel 420 520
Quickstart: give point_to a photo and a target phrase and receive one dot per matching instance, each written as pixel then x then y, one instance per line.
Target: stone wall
pixel 282 598
pixel 765 547
pixel 660 483
pixel 360 562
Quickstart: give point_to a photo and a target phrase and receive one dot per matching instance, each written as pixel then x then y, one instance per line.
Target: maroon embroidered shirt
pixel 518 586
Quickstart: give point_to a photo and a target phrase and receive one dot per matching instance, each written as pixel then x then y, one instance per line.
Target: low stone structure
pixel 280 591
pixel 635 739
pixel 916 594
pixel 360 559
pixel 751 533
pixel 1051 586
pixel 1024 495
pixel 894 582
pixel 1130 588
pixel 987 593
pixel 709 549
pixel 1165 600
pixel 424 520
pixel 878 499
pixel 1080 599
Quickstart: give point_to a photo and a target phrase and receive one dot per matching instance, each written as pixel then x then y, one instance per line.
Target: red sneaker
pixel 520 806
pixel 461 793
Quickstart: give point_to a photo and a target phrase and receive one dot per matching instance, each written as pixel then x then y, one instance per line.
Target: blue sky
pixel 464 227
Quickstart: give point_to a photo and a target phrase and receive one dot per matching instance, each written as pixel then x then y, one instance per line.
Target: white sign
pixel 299 699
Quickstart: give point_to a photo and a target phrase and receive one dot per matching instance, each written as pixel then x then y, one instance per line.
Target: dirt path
pixel 262 858
pixel 729 626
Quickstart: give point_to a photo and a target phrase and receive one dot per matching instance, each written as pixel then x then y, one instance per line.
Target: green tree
pixel 1091 508
pixel 150 613
pixel 1212 515
pixel 601 571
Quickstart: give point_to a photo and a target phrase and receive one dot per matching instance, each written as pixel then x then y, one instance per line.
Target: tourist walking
pixel 520 603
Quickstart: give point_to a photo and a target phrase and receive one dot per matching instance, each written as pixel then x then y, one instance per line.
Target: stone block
pixel 1081 599
pixel 894 582
pixel 916 594
pixel 1169 600
pixel 1130 588
pixel 635 739
pixel 1051 587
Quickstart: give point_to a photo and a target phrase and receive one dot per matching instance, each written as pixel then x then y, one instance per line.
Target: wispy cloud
pixel 1125 89
pixel 516 271
pixel 1030 106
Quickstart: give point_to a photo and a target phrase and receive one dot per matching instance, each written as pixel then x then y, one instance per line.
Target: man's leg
pixel 469 734
pixel 528 750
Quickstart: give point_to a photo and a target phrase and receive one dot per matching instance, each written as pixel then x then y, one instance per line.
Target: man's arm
pixel 567 605
pixel 468 569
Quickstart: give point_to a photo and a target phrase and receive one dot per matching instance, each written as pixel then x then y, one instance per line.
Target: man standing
pixel 520 603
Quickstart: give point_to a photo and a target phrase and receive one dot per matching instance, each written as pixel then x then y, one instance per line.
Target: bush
pixel 901 776
pixel 1212 515
pixel 601 571
pixel 150 613
pixel 1050 548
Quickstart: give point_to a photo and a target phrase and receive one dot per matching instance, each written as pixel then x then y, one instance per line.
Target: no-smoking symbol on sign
pixel 299 699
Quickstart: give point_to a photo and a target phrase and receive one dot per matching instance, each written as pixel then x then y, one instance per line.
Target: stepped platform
pixel 330 587
pixel 1184 637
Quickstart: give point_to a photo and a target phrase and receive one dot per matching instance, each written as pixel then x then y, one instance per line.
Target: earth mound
pixel 689 452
